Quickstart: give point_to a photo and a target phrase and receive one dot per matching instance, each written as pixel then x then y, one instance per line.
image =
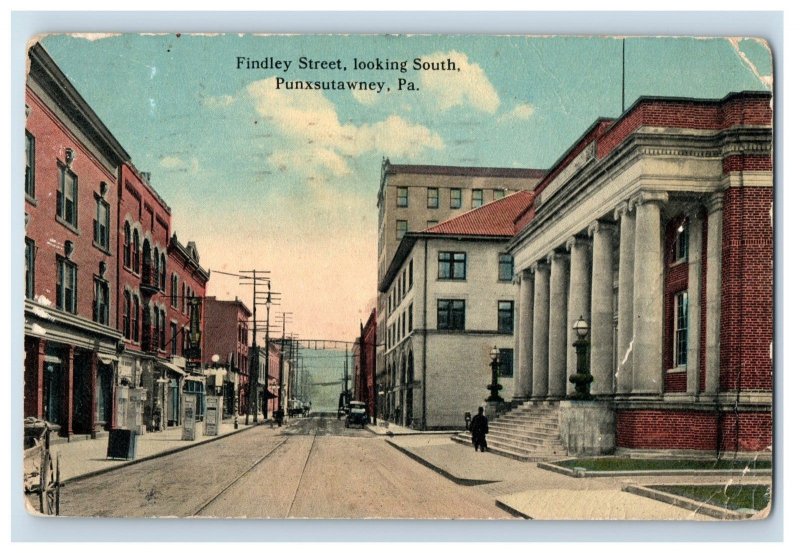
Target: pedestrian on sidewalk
pixel 479 426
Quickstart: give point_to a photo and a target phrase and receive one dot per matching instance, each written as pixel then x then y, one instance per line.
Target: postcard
pixel 398 277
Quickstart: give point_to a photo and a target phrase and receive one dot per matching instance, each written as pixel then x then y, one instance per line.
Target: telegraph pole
pixel 283 346
pixel 258 279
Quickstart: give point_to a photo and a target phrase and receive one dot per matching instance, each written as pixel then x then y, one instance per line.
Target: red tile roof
pixel 493 219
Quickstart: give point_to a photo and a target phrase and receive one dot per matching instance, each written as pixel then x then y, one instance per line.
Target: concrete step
pixel 549 426
pixel 525 435
pixel 528 456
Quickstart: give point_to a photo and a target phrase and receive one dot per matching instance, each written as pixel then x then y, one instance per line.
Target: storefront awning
pixel 172 367
pixel 196 378
pixel 107 359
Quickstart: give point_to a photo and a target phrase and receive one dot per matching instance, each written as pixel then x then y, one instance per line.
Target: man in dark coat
pixel 479 426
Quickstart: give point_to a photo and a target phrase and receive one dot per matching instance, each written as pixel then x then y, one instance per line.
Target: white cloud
pixel 365 97
pixel 468 86
pixel 320 139
pixel 521 112
pixel 175 163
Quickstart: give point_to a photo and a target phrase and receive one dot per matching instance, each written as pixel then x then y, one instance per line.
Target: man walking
pixel 479 426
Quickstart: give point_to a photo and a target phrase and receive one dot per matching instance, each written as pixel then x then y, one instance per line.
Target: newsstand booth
pixel 196 385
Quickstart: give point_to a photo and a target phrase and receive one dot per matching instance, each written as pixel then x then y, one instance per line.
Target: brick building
pixel 71 186
pixel 364 364
pixel 656 228
pixel 226 335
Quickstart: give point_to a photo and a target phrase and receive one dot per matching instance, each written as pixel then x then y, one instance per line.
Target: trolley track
pixel 238 478
pixel 302 473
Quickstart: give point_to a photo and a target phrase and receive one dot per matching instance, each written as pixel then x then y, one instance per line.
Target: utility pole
pixel 258 279
pixel 280 369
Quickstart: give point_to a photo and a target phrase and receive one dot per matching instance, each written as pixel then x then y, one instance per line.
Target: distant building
pixel 450 300
pixel 412 198
pixel 364 364
pixel 226 335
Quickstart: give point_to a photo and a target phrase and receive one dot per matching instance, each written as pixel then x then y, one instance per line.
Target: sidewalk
pixel 530 492
pixel 82 458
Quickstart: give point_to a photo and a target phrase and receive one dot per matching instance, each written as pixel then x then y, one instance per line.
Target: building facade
pixel 226 336
pixel 71 184
pixel 364 364
pixel 656 228
pixel 451 301
pixel 412 198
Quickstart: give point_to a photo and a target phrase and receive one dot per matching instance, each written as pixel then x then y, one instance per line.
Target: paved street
pixel 311 468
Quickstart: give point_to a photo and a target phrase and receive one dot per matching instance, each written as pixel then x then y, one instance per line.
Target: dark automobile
pixel 356 414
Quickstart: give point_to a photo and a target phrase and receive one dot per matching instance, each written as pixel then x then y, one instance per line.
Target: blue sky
pixel 287 180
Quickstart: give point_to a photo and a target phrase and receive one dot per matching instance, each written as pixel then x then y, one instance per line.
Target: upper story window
pixel 410 274
pixel 430 223
pixel 173 291
pixel 433 198
pixel 401 228
pixel 499 194
pixel 101 224
pixel 173 338
pixel 136 250
pixel 67 286
pixel 410 317
pixel 450 314
pixel 136 316
pixel 30 165
pixel 452 265
pixel 402 196
pixel 126 245
pixel 681 252
pixel 163 283
pixel 681 329
pixel 67 197
pixel 477 198
pixel 162 330
pixel 455 198
pixel 30 268
pixel 126 314
pixel 505 268
pixel 505 317
pixel 101 302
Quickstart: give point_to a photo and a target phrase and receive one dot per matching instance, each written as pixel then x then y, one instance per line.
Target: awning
pixel 172 367
pixel 196 378
pixel 107 359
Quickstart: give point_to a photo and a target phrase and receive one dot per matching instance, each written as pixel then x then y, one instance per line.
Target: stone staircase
pixel 526 433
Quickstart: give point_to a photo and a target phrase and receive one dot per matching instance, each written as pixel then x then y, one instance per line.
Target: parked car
pixel 356 414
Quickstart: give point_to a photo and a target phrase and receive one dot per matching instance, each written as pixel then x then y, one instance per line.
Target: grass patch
pixel 749 496
pixel 625 464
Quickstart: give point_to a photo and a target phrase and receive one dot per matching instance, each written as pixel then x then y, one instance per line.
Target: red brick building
pixel 656 227
pixel 71 186
pixel 226 335
pixel 364 364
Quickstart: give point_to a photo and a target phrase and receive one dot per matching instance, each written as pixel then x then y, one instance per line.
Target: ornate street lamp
pixel 582 379
pixel 494 387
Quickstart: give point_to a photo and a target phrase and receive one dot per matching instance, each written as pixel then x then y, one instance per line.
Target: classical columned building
pixel 656 228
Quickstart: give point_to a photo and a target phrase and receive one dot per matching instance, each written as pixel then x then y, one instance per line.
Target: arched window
pixel 163 272
pixel 126 315
pixel 135 318
pixel 162 330
pixel 135 250
pixel 156 267
pixel 126 245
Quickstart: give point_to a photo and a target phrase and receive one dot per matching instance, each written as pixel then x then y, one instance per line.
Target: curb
pixel 686 503
pixel 582 473
pixel 453 478
pixel 391 434
pixel 164 453
pixel 511 510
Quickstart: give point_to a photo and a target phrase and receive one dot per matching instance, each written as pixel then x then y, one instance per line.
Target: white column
pixel 694 226
pixel 648 295
pixel 524 353
pixel 601 352
pixel 627 240
pixel 714 206
pixel 557 329
pixel 541 328
pixel 517 372
pixel 579 298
